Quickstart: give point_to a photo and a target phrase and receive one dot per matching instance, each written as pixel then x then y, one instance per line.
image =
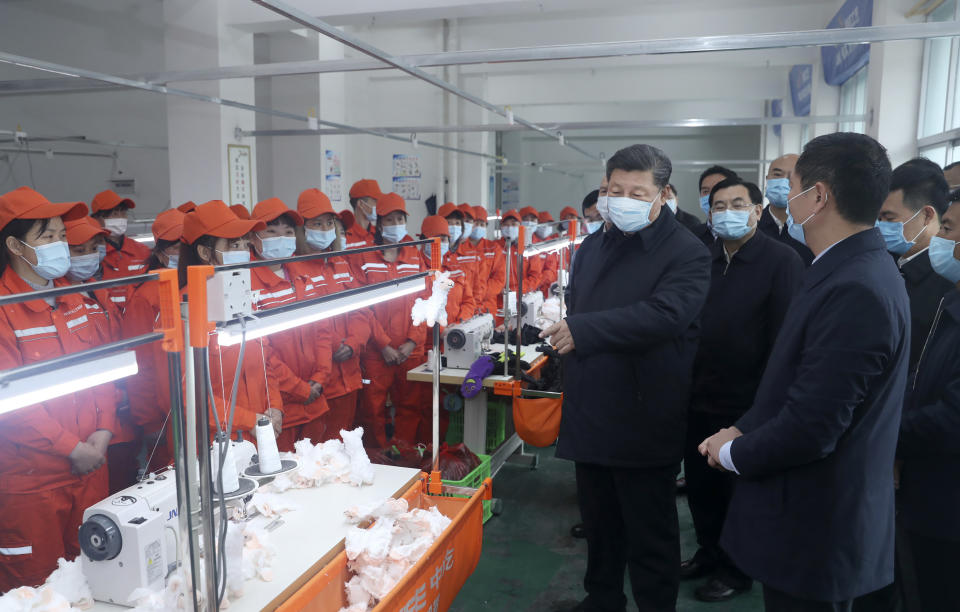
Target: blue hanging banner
pixel 801 86
pixel 840 62
pixel 776 110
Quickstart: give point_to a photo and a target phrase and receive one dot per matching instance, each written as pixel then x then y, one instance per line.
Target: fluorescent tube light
pixel 70 379
pixel 271 324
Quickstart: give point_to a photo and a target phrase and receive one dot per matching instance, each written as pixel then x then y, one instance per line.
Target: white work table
pixel 308 537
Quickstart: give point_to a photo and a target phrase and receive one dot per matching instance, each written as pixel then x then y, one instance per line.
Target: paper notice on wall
pixel 331 163
pixel 406 166
pixel 511 192
pixel 407 187
pixel 333 187
pixel 239 175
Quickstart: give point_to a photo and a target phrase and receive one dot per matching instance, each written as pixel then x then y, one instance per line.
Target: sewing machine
pixel 464 342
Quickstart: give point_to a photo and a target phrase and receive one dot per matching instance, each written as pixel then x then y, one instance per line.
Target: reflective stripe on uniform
pixel 18 550
pixel 379 266
pixel 408 267
pixel 34 331
pixel 118 299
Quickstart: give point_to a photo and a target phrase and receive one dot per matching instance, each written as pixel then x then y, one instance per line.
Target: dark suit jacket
pixel 812 512
pixel 768 225
pixel 925 289
pixel 930 433
pixel 697 227
pixel 634 311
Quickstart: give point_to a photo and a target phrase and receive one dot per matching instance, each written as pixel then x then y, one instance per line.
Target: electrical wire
pixel 26 144
pixel 10 166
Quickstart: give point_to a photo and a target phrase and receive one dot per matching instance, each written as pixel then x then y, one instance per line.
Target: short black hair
pixel 103 213
pixel 922 183
pixel 854 166
pixel 590 200
pixel 753 192
pixel 726 172
pixel 285 218
pixel 642 157
pixel 19 229
pixel 954 196
pixel 955 164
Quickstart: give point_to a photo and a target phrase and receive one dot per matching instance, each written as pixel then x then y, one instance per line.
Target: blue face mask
pixel 705 204
pixel 511 232
pixel 455 232
pixel 394 233
pixel 101 251
pixel 478 233
pixel 277 247
pixel 234 257
pixel 672 203
pixel 53 259
pixel 602 208
pixel 628 214
pixel 173 261
pixel 942 259
pixel 467 228
pixel 777 191
pixel 732 224
pixel 320 239
pixel 83 267
pixel 796 229
pixel 594 226
pixel 892 232
pixel 444 249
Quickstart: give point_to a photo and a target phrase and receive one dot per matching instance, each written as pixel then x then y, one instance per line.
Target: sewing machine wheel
pixel 100 538
pixel 456 339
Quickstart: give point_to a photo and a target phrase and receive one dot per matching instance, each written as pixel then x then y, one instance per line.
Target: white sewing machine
pixel 529 310
pixel 129 540
pixel 464 343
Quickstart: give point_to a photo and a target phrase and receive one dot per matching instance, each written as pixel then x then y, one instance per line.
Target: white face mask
pixel 602 208
pixel 102 251
pixel 234 257
pixel 53 259
pixel 116 227
pixel 320 239
pixel 277 247
pixel 455 232
pixel 628 214
pixel 83 267
pixel 510 232
pixel 672 203
pixel 479 233
pixel 544 230
pixel 467 228
pixel 394 233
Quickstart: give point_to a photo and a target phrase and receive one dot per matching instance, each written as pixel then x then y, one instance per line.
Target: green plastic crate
pixel 455 428
pixel 496 426
pixel 473 480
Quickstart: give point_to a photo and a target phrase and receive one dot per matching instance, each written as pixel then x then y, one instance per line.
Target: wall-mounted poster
pixel 239 175
pixel 511 192
pixel 407 187
pixel 331 163
pixel 406 166
pixel 333 187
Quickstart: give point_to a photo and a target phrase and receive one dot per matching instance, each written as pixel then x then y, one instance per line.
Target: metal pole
pixel 207 525
pixel 190 458
pixel 516 369
pixel 506 310
pixel 436 397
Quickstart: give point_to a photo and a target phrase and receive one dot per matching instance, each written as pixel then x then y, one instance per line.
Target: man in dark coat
pixel 629 341
pixel 773 222
pixel 812 514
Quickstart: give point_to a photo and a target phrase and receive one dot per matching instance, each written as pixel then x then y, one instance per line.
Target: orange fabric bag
pixel 537 421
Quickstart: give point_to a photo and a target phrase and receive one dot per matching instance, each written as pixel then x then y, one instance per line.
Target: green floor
pixel 530 562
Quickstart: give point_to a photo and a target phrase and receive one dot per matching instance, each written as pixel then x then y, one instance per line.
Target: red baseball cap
pixel 168 225
pixel 479 212
pixel 568 211
pixel 187 206
pixel 467 210
pixel 434 226
pixel 510 214
pixel 83 229
pixel 347 218
pixel 529 210
pixel 366 188
pixel 313 203
pixel 214 218
pixel 108 200
pixel 389 202
pixel 241 211
pixel 271 208
pixel 25 203
pixel 546 217
pixel 447 209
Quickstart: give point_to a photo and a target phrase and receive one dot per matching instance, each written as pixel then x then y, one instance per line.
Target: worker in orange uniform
pixel 84 235
pixel 149 391
pixel 213 235
pixel 351 330
pixel 463 261
pixel 532 266
pixel 530 219
pixel 397 346
pixel 547 230
pixel 125 256
pixel 360 224
pixel 468 252
pixel 300 357
pixel 491 271
pixel 52 454
pixel 458 310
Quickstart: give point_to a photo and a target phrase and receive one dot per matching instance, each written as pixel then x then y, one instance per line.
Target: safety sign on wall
pixel 406 176
pixel 239 175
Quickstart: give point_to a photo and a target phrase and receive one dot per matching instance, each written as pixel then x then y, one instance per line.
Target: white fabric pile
pixel 382 554
pixel 331 461
pixel 65 589
pixel 550 313
pixel 433 309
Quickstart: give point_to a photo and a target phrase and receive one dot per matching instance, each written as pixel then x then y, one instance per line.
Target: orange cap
pixel 83 229
pixel 241 211
pixel 187 206
pixel 529 210
pixel 347 218
pixel 510 214
pixel 389 202
pixel 546 217
pixel 313 203
pixel 447 209
pixel 25 203
pixel 214 218
pixel 366 188
pixel 108 200
pixel 271 208
pixel 479 212
pixel 568 211
pixel 466 210
pixel 168 225
pixel 434 226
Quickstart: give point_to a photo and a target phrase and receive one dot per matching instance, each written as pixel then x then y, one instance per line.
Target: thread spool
pixel 267 453
pixel 231 479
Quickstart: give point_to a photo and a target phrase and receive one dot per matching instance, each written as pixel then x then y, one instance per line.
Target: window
pixel 804 135
pixel 853 100
pixel 940 97
pixel 936 154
